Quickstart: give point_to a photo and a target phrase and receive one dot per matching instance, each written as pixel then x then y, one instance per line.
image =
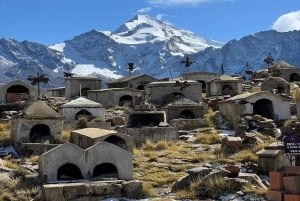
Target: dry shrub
pixel 5 138
pixel 82 122
pixel 33 159
pixel 160 145
pixel 148 145
pixel 249 188
pixel 209 118
pixel 11 164
pixel 66 135
pixel 186 194
pixel 158 176
pixel 147 189
pixel 7 196
pixel 246 156
pixel 214 186
pixel 196 158
pixel 208 139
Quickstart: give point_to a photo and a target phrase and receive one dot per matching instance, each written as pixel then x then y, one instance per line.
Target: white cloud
pixel 144 10
pixel 159 17
pixel 178 2
pixel 288 22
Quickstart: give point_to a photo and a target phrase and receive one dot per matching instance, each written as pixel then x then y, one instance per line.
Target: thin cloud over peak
pixel 288 22
pixel 144 10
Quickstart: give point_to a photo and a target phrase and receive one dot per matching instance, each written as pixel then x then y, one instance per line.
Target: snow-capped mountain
pixel 155 48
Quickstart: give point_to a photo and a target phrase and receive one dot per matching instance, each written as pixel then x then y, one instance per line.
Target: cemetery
pixel 144 138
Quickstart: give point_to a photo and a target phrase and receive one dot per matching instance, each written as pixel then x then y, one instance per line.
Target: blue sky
pixel 53 21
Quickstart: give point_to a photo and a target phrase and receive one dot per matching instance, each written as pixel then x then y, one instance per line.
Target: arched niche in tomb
pixel 294 77
pixel 187 114
pixel 16 93
pixel 125 99
pixel 105 171
pixel 69 171
pixel 40 133
pixel 171 97
pixel 116 140
pixel 141 87
pixel 227 90
pixel 83 113
pixel 264 107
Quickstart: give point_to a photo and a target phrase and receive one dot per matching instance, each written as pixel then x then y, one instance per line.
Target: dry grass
pixel 209 118
pixel 66 135
pixel 5 138
pixel 208 138
pixel 11 164
pixel 159 177
pixel 147 189
pixel 33 159
pixel 186 194
pixel 12 191
pixel 252 189
pixel 245 156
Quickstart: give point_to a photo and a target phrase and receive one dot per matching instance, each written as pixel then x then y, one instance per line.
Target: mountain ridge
pixel 155 48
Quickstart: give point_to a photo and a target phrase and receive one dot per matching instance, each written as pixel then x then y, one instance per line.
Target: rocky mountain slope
pixel 155 48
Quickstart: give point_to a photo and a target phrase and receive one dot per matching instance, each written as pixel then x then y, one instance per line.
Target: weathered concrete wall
pixel 73 125
pixel 104 152
pixel 111 97
pixel 92 191
pixel 33 91
pixel 74 84
pixel 28 149
pixel 197 76
pixel 232 111
pixel 154 134
pixel 21 128
pixel 69 113
pixel 215 88
pixel 85 141
pixel 156 92
pixel 174 112
pixel 280 84
pixel 287 73
pixel 188 124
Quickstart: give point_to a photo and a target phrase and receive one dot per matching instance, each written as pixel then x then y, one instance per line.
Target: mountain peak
pixel 138 21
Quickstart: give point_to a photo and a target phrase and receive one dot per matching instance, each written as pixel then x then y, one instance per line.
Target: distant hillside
pixel 155 48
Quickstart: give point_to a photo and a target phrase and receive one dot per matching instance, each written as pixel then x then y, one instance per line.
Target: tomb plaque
pixel 292 148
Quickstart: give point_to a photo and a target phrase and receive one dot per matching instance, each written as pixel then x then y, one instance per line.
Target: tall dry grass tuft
pixel 147 189
pixel 160 145
pixel 208 138
pixel 252 189
pixel 209 118
pixel 66 135
pixel 246 156
pixel 5 138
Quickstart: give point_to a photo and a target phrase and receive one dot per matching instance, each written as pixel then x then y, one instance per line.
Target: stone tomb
pixel 69 162
pixel 89 136
pixel 185 114
pixel 39 124
pixel 224 85
pixel 16 91
pixel 82 107
pixel 165 92
pixel 149 125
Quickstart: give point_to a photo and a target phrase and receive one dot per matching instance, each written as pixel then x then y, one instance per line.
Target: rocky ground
pixel 168 170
